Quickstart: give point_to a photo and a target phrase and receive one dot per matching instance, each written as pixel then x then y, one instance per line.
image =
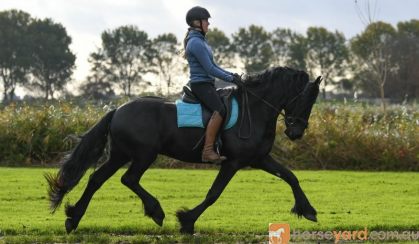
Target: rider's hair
pixel 185 40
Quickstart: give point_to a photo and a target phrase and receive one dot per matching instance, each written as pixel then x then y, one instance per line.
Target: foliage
pixel 35 54
pixel 128 56
pixel 97 86
pixel 39 134
pixel 165 58
pixel 252 200
pixel 340 136
pixel 405 53
pixel 223 49
pixel 53 61
pixel 281 42
pixel 15 56
pixel 327 53
pixel 373 48
pixel 253 47
pixel 357 136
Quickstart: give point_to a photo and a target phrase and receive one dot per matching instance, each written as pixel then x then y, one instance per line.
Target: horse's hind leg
pixel 132 178
pixel 187 218
pixel 96 180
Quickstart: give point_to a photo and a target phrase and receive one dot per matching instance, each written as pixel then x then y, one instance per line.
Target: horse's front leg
pixel 302 206
pixel 187 218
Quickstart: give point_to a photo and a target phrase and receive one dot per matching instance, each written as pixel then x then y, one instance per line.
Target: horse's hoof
pixel 187 229
pixel 311 217
pixel 69 226
pixel 158 220
pixel 186 224
pixel 156 214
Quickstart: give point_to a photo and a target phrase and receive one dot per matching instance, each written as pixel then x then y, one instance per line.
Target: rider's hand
pixel 237 79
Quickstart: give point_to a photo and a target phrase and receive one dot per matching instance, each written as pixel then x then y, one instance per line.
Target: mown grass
pixel 344 200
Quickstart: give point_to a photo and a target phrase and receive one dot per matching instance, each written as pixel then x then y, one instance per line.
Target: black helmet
pixel 196 13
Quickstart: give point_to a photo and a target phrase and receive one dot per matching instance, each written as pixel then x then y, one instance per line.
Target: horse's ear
pixel 318 80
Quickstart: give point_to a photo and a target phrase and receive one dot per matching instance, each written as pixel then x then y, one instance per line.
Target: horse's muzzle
pixel 294 133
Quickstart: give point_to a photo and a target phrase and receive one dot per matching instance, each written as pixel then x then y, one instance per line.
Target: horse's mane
pixel 278 73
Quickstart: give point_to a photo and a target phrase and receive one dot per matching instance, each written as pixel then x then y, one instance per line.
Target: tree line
pixel 381 61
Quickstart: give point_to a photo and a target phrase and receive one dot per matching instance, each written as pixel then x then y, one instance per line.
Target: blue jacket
pixel 202 67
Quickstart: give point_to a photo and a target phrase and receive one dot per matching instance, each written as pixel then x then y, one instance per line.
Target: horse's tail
pixel 87 152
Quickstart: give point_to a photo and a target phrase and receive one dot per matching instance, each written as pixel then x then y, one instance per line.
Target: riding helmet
pixel 196 13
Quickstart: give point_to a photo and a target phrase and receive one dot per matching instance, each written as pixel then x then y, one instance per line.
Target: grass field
pixel 344 201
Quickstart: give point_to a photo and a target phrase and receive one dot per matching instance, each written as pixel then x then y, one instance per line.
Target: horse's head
pixel 287 89
pixel 298 109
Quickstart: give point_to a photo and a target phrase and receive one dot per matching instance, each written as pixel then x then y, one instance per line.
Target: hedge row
pixel 340 136
pixel 355 136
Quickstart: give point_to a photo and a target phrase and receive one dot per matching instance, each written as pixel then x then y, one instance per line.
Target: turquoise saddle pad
pixel 190 114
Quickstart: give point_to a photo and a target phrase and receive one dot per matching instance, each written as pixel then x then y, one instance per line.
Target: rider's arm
pixel 198 49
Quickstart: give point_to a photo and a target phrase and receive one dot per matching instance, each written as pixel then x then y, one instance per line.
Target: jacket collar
pixel 195 33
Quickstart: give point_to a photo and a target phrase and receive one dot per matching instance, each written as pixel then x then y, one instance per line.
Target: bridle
pixel 289 120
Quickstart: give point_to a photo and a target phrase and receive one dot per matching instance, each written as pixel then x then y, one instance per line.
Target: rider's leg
pixel 206 93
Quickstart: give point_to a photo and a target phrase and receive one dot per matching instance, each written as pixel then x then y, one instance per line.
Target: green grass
pixel 253 199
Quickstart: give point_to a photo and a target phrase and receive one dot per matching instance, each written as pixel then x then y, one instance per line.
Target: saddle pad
pixel 190 114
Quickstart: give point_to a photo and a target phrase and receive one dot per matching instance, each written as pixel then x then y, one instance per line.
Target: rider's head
pixel 197 17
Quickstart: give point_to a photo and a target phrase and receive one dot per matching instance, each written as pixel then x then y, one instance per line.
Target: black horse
pixel 140 130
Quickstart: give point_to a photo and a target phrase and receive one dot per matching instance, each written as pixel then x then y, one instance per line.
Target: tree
pixel 128 56
pixel 254 47
pixel 289 48
pixel 378 37
pixel 404 83
pixel 14 51
pixel 53 61
pixel 327 53
pixel 373 48
pixel 165 58
pixel 97 85
pixel 223 50
pixel 298 51
pixel 281 42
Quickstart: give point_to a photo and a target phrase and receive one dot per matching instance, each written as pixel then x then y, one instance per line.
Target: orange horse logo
pixel 279 233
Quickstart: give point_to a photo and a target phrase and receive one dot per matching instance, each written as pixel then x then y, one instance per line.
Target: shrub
pixel 356 136
pixel 340 136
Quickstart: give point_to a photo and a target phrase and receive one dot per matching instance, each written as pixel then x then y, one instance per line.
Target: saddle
pixel 226 97
pixel 199 115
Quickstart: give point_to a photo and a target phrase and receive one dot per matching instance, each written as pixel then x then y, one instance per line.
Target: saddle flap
pixel 188 96
pixel 225 94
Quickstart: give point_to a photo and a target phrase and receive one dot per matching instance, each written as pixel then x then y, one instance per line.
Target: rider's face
pixel 205 25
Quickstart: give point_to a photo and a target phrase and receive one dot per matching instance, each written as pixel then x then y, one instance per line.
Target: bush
pixel 40 134
pixel 357 136
pixel 340 136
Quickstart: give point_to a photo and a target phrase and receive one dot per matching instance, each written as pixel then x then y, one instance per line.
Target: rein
pixel 246 109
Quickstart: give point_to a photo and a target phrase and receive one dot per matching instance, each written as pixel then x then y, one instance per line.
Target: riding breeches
pixel 206 93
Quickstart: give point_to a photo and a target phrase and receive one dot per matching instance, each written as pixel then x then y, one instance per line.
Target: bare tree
pixel 373 46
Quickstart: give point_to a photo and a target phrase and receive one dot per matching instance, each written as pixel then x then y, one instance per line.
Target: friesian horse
pixel 143 128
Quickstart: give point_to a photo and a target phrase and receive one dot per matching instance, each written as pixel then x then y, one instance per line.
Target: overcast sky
pixel 85 20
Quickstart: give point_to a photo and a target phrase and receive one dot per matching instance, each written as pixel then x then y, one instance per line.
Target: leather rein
pixel 246 111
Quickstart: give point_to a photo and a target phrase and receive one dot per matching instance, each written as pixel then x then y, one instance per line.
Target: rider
pixel 203 69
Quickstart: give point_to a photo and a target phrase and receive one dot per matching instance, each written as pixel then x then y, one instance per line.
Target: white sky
pixel 85 20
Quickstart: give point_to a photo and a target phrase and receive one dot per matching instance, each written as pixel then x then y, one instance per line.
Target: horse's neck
pixel 261 109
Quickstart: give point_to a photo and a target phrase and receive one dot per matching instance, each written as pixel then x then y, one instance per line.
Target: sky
pixel 85 20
